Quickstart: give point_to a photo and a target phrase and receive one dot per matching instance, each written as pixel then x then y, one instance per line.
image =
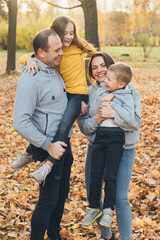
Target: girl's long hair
pixel 59 25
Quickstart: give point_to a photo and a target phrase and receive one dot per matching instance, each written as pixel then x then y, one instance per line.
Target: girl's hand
pixel 31 65
pixel 107 97
pixel 106 111
pixel 84 108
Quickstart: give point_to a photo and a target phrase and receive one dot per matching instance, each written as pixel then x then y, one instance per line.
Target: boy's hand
pixel 107 97
pixel 84 108
pixel 31 65
pixel 56 149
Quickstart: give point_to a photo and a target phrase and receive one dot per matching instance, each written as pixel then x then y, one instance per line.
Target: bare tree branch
pixel 54 5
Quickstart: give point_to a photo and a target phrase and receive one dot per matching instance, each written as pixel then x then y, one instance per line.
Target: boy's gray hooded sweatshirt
pixel 88 124
pixel 40 104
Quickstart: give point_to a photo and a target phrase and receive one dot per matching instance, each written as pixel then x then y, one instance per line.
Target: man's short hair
pixel 41 39
pixel 122 71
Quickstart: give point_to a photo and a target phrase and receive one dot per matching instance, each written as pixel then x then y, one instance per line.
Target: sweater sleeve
pixel 135 123
pixel 124 106
pixel 25 104
pixel 23 58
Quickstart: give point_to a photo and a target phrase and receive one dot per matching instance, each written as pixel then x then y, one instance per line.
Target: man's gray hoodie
pixel 88 124
pixel 40 104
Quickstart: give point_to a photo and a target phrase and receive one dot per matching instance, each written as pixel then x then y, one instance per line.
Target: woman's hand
pixel 106 111
pixel 31 65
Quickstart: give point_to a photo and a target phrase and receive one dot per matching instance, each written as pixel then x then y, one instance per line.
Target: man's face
pixel 54 53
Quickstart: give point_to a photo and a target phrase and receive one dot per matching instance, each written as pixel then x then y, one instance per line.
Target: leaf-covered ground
pixel 19 192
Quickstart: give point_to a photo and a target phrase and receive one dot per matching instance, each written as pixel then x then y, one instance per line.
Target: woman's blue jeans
pixel 123 209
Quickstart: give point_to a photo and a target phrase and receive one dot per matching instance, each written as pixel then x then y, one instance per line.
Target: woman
pixel 97 72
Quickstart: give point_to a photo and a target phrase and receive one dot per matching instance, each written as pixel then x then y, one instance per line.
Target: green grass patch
pixel 134 52
pixel 135 57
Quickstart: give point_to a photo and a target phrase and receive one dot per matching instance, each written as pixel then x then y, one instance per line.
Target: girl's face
pixel 99 69
pixel 68 35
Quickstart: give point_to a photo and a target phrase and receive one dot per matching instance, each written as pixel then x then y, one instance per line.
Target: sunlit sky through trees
pixel 102 5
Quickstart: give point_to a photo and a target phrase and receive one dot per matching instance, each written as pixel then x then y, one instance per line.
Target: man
pixel 40 103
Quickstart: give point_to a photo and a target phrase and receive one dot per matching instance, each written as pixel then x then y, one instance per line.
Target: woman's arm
pixel 88 125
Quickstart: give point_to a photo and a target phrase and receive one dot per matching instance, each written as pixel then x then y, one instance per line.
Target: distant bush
pixel 27 27
pixel 3 34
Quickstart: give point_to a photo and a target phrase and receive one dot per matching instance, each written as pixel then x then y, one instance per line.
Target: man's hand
pixel 56 149
pixel 107 97
pixel 84 108
pixel 31 65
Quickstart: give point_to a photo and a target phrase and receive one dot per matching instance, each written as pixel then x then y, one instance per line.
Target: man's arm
pixel 25 104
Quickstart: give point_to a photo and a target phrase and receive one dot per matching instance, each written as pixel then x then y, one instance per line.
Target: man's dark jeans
pixel 106 156
pixel 53 193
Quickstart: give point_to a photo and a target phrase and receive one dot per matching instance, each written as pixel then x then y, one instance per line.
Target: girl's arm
pixel 23 58
pixel 31 65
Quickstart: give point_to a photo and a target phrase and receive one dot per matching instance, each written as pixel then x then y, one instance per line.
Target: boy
pixel 109 143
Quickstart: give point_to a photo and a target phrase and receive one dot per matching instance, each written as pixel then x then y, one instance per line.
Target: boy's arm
pixel 124 107
pixel 136 120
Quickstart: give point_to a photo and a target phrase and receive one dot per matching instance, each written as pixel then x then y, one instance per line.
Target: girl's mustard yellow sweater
pixel 72 69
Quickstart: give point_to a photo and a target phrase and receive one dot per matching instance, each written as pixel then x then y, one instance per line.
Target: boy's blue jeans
pixel 49 209
pixel 123 209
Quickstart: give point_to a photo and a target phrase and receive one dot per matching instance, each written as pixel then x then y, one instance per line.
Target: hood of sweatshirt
pixel 46 69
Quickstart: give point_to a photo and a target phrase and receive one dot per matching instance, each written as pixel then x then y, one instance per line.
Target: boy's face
pixel 112 83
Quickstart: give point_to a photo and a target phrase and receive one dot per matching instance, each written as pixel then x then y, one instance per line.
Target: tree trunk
pixel 91 22
pixel 11 44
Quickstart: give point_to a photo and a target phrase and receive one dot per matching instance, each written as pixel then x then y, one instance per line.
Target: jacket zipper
pixel 46 124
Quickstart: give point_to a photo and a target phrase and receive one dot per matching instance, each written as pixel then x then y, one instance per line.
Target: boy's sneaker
pixel 22 161
pixel 41 173
pixel 106 217
pixel 91 215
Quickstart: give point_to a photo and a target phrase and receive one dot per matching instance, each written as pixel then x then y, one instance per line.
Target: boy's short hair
pixel 122 71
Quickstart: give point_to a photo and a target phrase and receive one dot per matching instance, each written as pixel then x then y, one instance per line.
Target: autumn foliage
pixel 19 192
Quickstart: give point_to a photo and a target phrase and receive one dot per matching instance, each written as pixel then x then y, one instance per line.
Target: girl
pixel 72 70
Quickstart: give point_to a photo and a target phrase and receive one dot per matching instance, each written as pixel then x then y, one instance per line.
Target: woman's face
pixel 99 69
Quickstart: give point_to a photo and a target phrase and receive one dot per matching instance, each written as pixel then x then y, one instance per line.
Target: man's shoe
pixel 41 173
pixel 106 217
pixel 22 161
pixel 91 215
